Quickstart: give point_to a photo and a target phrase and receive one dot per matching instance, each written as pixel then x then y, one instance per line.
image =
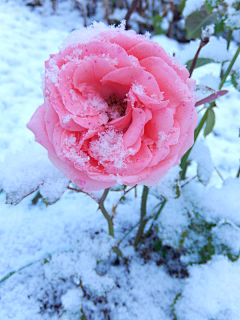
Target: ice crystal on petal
pixel 109 145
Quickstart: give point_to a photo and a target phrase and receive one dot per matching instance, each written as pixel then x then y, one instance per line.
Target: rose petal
pixel 51 118
pixel 159 154
pixel 38 127
pixel 121 123
pixel 158 172
pixel 89 73
pixel 162 121
pixel 72 99
pixel 133 75
pixel 152 49
pixel 112 52
pixel 123 40
pixel 168 80
pixel 135 128
pixel 65 116
pixel 79 177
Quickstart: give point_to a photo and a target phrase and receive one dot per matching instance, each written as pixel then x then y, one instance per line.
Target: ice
pixel 109 147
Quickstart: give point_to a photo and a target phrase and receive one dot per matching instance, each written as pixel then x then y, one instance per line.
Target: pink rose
pixel 117 108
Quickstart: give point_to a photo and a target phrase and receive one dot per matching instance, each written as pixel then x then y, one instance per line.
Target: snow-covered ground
pixel 55 260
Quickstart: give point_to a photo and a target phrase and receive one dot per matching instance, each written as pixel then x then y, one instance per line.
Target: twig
pixel 124 193
pixel 182 186
pixel 84 192
pixel 130 11
pixel 219 173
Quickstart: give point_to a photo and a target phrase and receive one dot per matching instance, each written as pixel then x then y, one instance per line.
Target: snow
pixel 211 292
pixel 191 6
pixel 27 174
pixel 57 260
pixel 172 222
pixel 201 154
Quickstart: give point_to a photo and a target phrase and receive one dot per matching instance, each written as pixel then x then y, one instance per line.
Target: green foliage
pixel 181 6
pixel 210 5
pixel 235 79
pixel 219 27
pixel 198 20
pixel 210 122
pixel 157 21
pixel 200 62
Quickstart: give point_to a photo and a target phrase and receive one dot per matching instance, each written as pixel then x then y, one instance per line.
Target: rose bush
pixel 117 108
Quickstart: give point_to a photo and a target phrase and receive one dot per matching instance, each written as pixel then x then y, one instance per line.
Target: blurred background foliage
pixel 174 18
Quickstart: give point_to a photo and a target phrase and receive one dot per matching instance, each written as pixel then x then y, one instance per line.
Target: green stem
pixel 184 162
pixel 143 221
pixel 104 212
pixel 125 236
pixel 154 219
pixel 229 37
pixel 238 174
pixel 229 68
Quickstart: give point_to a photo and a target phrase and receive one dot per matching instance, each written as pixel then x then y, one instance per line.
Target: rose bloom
pixel 117 109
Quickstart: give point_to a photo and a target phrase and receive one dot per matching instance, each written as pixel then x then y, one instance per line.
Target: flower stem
pixel 104 212
pixel 143 221
pixel 229 68
pixel 201 45
pixel 154 219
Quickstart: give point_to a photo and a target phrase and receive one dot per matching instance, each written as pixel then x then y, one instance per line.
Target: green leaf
pixel 210 122
pixel 235 79
pixel 198 20
pixel 209 6
pixel 200 62
pixel 157 21
pixel 219 27
pixel 181 6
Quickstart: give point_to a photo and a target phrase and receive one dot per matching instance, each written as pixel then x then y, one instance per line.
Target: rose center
pixel 117 107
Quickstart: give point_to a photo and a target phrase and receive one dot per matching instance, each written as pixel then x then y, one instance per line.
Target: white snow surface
pixel 211 292
pixel 56 260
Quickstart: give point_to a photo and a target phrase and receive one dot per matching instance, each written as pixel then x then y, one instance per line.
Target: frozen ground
pixel 61 253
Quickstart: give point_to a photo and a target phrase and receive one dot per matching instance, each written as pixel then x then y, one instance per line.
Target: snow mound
pixel 211 292
pixel 30 172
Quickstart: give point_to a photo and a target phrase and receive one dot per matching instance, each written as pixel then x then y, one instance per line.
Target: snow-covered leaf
pixel 31 171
